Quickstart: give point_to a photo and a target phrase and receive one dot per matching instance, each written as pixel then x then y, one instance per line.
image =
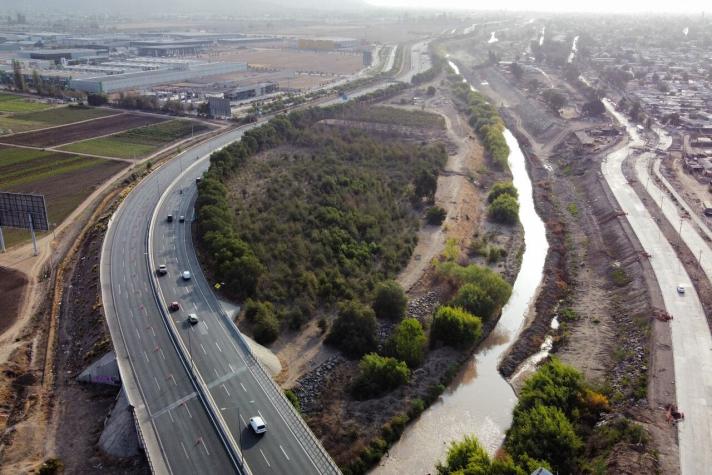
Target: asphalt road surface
pixel 239 387
pixel 157 381
pixel 691 339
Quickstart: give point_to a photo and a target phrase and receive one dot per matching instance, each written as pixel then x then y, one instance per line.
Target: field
pixel 13 103
pixel 85 130
pixel 65 180
pixel 138 142
pixel 48 118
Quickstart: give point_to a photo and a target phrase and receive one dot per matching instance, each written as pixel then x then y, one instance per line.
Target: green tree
pixel 354 330
pixel 19 77
pixel 554 384
pixel 425 185
pixel 502 188
pixel 379 374
pixel 504 209
pixel 455 326
pixel 408 341
pixel 37 82
pixel 266 325
pixel 435 215
pixel 390 301
pixel 554 99
pixel 544 432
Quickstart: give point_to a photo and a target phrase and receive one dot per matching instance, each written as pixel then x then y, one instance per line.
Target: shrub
pixel 554 384
pixel 379 374
pixel 483 292
pixel 435 215
pixel 354 330
pixel 408 341
pixel 266 328
pixel 504 209
pixel 51 466
pixel 390 301
pixel 293 399
pixel 544 432
pixel 502 188
pixel 455 326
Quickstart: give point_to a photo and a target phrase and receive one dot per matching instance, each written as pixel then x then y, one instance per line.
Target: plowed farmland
pixel 65 180
pixel 84 130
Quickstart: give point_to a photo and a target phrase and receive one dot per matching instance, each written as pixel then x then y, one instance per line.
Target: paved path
pixel 692 343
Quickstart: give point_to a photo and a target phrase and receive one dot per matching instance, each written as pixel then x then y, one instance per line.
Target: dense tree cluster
pixel 486 121
pixel 329 220
pixel 354 330
pixel 407 343
pixel 504 209
pixel 390 301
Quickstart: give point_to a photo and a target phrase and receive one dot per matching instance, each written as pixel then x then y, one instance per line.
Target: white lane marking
pixel 243 387
pixel 285 453
pixel 204 324
pixel 203 348
pixel 157 385
pixel 186 408
pixel 258 412
pixel 138 333
pixel 219 349
pixel 185 451
pixel 131 313
pixel 146 355
pixel 153 331
pixel 242 419
pixel 118 289
pixel 225 388
pixel 171 415
pixel 163 354
pixel 174 380
pixel 232 370
pixel 265 457
pixel 204 446
pixel 195 306
pixel 216 372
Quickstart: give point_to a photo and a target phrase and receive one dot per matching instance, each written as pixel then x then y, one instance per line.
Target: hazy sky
pixel 628 6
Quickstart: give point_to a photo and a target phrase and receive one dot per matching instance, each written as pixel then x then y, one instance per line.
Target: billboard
pixel 17 209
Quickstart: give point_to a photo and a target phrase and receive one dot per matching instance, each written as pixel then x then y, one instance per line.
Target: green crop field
pixel 65 180
pixel 48 118
pixel 138 142
pixel 13 103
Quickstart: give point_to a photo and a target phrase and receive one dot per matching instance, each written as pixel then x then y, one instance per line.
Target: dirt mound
pixel 12 286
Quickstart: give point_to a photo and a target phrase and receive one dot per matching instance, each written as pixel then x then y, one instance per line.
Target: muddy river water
pixel 480 400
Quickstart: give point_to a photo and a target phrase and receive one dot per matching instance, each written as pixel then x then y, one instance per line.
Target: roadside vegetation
pixel 14 103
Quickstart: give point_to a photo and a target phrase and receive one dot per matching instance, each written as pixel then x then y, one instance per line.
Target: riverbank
pixel 479 400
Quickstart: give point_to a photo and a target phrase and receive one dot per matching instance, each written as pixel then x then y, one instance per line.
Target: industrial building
pixel 67 54
pixel 219 108
pixel 171 48
pixel 141 79
pixel 255 90
pixel 327 43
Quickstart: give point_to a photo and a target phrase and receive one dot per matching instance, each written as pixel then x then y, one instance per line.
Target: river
pixel 574 49
pixel 479 401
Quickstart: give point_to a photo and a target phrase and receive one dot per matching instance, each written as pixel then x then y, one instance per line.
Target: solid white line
pixel 265 457
pixel 285 453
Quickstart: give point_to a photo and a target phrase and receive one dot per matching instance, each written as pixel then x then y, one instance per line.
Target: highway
pixel 237 383
pixel 172 417
pixel 691 339
pixel 193 387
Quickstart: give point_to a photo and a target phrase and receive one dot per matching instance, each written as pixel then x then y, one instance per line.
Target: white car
pixel 186 275
pixel 257 425
pixel 680 289
pixel 162 269
pixel 193 318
